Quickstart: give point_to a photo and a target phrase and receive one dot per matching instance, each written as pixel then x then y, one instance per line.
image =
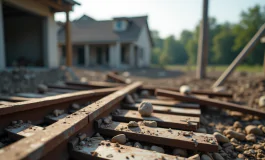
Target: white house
pixel 119 42
pixel 28 32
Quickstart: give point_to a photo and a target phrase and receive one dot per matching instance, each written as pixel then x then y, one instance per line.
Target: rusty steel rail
pixel 94 84
pixel 199 92
pixel 52 100
pixel 210 102
pixel 48 140
pixel 162 136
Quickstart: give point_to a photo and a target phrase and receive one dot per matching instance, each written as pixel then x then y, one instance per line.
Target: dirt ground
pixel 241 136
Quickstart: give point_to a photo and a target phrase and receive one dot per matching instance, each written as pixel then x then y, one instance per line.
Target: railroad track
pixel 78 120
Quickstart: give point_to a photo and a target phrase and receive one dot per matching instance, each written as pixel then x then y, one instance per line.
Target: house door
pixel 81 56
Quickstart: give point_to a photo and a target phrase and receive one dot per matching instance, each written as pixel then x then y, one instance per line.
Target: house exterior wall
pixel 50 50
pixel 2 46
pixel 144 42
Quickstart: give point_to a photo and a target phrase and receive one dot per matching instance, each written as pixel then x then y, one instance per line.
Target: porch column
pixel 50 42
pixel 87 54
pixel 118 54
pixel 132 55
pixel 68 43
pixel 2 43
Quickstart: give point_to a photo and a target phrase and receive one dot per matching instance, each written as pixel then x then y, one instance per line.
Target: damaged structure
pixel 28 32
pixel 122 42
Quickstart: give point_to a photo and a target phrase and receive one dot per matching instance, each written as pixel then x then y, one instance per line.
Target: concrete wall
pixel 144 42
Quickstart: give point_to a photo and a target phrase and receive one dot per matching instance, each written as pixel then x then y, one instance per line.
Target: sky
pixel 169 17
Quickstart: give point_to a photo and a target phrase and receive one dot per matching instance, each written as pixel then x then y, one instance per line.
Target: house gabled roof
pixel 89 30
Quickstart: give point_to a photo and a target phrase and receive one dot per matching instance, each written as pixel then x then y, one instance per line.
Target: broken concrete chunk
pixel 150 123
pixel 185 89
pixel 42 88
pixel 132 124
pixel 129 99
pixel 157 149
pixel 145 94
pixel 145 109
pixel 120 138
pixel 58 112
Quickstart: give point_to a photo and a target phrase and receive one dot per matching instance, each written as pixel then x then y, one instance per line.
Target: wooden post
pixel 202 56
pixel 68 43
pixel 251 44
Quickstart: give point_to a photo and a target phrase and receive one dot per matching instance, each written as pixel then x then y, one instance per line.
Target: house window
pixel 119 25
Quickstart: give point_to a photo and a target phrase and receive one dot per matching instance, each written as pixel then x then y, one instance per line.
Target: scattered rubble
pixel 120 138
pixel 150 123
pixel 133 124
pixel 157 149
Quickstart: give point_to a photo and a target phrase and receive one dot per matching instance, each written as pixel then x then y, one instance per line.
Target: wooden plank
pixel 165 109
pixel 163 120
pixel 23 130
pixel 211 102
pixel 42 102
pixel 94 84
pixel 162 136
pixel 66 87
pixel 116 78
pixel 59 132
pixel 171 103
pixel 152 89
pixel 105 150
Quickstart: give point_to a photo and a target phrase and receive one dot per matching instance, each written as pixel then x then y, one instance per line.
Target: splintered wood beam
pixel 68 41
pixel 210 102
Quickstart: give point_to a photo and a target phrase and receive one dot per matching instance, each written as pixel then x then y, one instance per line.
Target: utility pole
pixel 202 55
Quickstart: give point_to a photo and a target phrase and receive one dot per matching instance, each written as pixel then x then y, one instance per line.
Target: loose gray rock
pixel 220 138
pixel 42 88
pixel 251 138
pixel 147 147
pixel 180 152
pixel 129 99
pixel 120 138
pixel 185 89
pixel 253 129
pixel 204 121
pixel 195 157
pixel 239 148
pixel 58 112
pixel 202 130
pixel 262 101
pixel 237 124
pixel 138 145
pixel 135 96
pixel 205 157
pixel 150 123
pixel 157 149
pixel 234 134
pixel 217 156
pixel 75 106
pixel 107 120
pixel 145 109
pixel 145 94
pixel 132 124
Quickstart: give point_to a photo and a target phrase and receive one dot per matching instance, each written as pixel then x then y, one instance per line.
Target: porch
pixel 116 55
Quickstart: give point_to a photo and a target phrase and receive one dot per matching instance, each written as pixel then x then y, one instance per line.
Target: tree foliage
pixel 226 40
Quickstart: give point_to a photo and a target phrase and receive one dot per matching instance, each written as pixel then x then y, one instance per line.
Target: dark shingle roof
pixel 87 31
